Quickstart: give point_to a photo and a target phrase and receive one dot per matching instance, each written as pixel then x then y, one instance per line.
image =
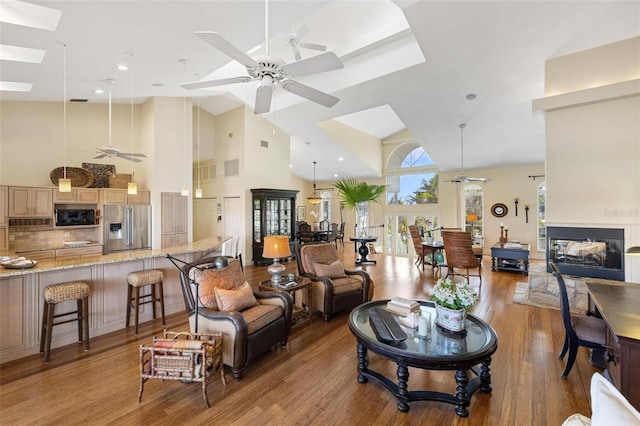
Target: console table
pixel 363 250
pixel 617 304
pixel 510 257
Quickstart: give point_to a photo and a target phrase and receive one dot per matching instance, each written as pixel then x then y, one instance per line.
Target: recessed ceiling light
pixel 158 84
pixel 21 54
pixel 123 67
pixel 290 166
pixel 98 91
pixel 470 96
pixel 14 86
pixel 335 175
pixel 340 159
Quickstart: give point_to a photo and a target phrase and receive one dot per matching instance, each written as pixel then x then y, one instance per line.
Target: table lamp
pixel 276 247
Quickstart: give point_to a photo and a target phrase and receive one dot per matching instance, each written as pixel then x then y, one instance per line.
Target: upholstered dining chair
pixel 332 237
pixel 305 235
pixel 580 330
pixel 460 256
pixel 334 288
pixel 417 244
pixel 251 322
pixel 340 236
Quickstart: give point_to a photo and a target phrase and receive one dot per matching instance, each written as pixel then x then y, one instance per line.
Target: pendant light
pixel 64 184
pixel 198 188
pixel 132 187
pixel 314 198
pixel 184 189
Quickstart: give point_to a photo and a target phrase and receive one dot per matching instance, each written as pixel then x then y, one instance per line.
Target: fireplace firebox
pixel 587 252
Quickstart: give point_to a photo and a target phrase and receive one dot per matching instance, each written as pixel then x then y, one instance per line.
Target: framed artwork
pixel 301 213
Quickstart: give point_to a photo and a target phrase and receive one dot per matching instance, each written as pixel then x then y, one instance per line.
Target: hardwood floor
pixel 314 379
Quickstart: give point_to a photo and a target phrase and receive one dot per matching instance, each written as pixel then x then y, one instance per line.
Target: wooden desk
pixel 619 306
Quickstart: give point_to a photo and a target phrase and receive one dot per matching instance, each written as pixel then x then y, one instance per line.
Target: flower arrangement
pixel 453 295
pixel 429 228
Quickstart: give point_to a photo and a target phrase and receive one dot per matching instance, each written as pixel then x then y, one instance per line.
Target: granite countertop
pixel 63 246
pixel 210 244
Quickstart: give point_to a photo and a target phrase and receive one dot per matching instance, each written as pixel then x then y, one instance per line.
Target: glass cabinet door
pixel 257 228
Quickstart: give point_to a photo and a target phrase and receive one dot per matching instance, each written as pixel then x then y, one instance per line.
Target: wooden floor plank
pixel 314 378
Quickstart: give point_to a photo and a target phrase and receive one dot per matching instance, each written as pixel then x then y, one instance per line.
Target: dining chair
pixel 305 234
pixel 458 248
pixel 580 330
pixel 332 237
pixel 340 236
pixel 417 244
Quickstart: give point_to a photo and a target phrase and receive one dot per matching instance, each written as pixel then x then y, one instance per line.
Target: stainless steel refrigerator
pixel 126 227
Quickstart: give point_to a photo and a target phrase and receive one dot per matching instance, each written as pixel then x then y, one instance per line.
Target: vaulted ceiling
pixel 407 65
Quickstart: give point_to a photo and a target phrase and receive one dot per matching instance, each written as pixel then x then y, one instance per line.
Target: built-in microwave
pixel 75 217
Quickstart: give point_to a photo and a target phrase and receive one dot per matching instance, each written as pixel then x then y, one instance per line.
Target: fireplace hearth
pixel 587 252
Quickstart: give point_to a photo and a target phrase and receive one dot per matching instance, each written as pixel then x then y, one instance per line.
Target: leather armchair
pixel 332 294
pixel 247 333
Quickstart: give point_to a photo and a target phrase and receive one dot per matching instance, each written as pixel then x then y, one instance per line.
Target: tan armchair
pixel 460 255
pixel 251 322
pixel 334 288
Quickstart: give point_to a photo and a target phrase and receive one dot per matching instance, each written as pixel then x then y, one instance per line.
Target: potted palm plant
pixel 356 196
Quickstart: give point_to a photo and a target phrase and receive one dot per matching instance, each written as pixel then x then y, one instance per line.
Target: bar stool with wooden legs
pixel 151 277
pixel 56 293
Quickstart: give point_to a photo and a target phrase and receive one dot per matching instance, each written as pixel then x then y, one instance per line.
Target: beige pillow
pixel 332 270
pixel 235 300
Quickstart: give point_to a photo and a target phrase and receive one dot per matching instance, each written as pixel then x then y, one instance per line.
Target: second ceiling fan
pixel 271 71
pixel 462 178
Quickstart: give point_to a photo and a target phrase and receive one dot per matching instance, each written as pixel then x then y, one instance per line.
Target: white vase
pixel 451 319
pixel 362 217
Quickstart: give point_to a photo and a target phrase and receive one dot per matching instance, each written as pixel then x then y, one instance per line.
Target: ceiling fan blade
pixel 475 179
pixel 310 93
pixel 320 63
pixel 313 46
pixel 127 157
pixel 100 156
pixel 220 43
pixel 296 53
pixel 213 83
pixel 263 98
pixel 302 32
pixel 132 154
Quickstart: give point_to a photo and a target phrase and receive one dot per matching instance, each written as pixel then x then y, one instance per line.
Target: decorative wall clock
pixel 499 210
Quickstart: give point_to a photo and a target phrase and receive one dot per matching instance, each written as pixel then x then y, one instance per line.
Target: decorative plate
pixel 19 264
pixel 499 210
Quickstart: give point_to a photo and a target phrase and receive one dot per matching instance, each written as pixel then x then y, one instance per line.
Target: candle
pixel 424 326
pixel 501 224
pixel 506 228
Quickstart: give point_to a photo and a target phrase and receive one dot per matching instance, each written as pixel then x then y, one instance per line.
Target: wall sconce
pixel 526 212
pixel 516 201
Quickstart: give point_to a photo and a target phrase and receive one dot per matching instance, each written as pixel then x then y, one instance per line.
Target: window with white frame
pixel 542 228
pixel 412 177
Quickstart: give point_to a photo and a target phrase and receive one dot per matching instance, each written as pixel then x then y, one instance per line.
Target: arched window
pixel 412 178
pixel 473 212
pixel 542 229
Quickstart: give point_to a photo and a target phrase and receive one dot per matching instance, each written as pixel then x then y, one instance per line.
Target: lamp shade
pixel 472 217
pixel 64 185
pixel 633 251
pixel 276 247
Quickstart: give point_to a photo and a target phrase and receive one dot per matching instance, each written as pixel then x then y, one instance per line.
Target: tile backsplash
pixel 41 240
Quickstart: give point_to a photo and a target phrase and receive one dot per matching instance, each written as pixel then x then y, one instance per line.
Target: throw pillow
pixel 235 300
pixel 209 279
pixel 332 270
pixel 609 406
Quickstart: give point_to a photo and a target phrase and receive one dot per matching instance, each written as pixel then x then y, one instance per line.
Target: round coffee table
pixel 444 351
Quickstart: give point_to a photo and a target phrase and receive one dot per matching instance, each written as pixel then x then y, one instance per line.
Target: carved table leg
pixel 462 379
pixel 493 263
pixel 363 363
pixel 485 376
pixel 364 252
pixel 403 393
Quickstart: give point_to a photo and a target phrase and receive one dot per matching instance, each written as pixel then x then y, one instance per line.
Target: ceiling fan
pixel 271 71
pixel 462 178
pixel 111 151
pixel 295 41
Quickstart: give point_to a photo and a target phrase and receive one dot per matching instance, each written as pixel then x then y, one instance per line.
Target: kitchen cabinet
pixel 30 202
pixel 273 213
pixel 120 196
pixel 174 219
pixel 38 254
pixel 77 196
pixel 4 218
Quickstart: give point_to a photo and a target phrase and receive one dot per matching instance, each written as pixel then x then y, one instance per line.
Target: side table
pixel 510 257
pixel 300 314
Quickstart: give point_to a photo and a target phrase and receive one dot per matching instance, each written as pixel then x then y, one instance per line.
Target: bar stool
pixel 56 293
pixel 139 279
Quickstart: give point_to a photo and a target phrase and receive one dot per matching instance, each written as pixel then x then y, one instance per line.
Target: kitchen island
pixel 21 293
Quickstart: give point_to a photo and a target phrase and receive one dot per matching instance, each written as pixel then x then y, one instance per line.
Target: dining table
pixel 434 247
